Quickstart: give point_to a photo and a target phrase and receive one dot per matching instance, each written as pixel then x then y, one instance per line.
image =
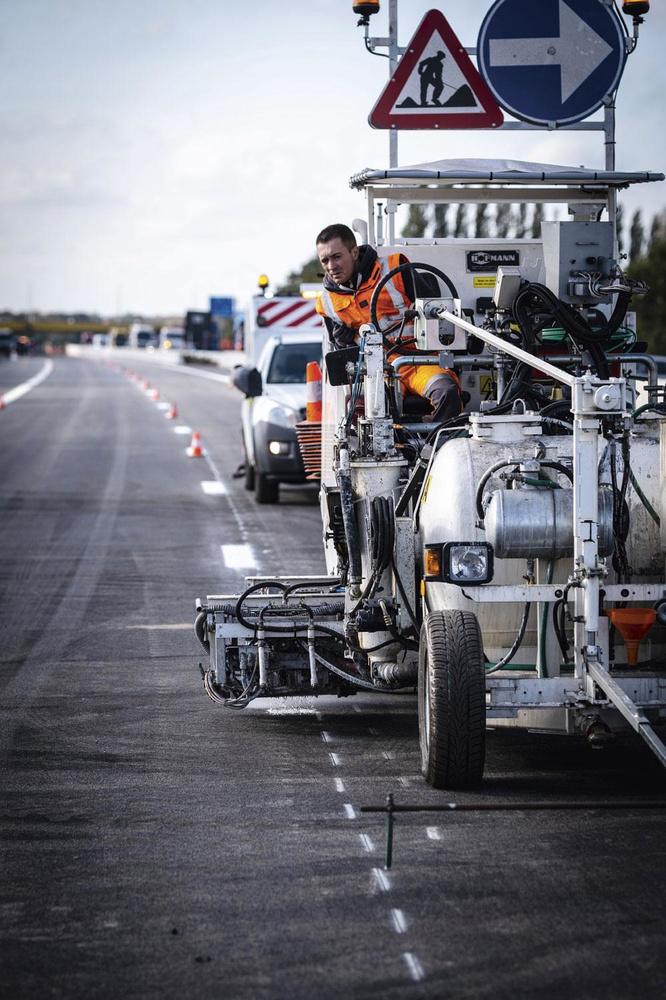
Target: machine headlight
pixel 278 447
pixel 459 562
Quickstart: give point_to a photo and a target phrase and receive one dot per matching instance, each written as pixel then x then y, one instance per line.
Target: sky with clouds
pixel 156 152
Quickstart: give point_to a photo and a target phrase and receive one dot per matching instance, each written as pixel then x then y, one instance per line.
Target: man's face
pixel 337 261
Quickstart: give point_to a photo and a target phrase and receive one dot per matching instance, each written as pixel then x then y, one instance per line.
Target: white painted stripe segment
pixel 415 968
pixel 335 759
pixel 326 737
pixel 399 921
pixel 433 833
pixel 367 843
pixel 20 390
pixel 213 488
pixel 350 812
pixel 182 429
pixel 238 557
pixel 381 879
pixel 340 785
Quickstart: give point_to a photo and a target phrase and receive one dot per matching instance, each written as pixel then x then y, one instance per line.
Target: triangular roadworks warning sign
pixel 436 85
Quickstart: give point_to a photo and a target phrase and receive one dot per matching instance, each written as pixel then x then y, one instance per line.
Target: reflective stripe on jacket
pixel 353 309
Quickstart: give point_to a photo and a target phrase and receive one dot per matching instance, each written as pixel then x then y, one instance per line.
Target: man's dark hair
pixel 337 231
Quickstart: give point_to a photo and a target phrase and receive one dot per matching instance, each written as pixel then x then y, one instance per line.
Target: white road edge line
pixel 20 390
pixel 399 921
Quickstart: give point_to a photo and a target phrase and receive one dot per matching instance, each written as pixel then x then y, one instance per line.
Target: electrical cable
pixel 516 645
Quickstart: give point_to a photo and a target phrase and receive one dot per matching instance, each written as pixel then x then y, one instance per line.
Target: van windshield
pixel 290 361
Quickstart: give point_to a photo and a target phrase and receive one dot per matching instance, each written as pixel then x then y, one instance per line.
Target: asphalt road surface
pixel 156 845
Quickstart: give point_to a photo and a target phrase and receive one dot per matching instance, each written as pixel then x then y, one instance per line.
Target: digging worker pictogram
pixel 430 71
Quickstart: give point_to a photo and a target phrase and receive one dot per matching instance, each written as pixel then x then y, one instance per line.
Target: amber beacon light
pixel 366 9
pixel 636 8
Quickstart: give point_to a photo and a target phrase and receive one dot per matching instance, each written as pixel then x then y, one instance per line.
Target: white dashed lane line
pixel 340 785
pixel 238 557
pixel 399 921
pixel 182 429
pixel 367 843
pixel 335 759
pixel 414 967
pixel 382 879
pixel 433 833
pixel 350 812
pixel 213 488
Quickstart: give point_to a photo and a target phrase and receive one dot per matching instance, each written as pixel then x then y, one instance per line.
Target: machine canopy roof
pixel 480 171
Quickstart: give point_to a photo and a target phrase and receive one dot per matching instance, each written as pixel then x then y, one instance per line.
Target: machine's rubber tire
pixel 452 700
pixel 265 490
pixel 249 475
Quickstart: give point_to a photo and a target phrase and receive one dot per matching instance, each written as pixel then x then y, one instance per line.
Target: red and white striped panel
pixel 288 312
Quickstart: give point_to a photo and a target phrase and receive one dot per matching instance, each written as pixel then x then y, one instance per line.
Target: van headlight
pixel 282 417
pixel 459 562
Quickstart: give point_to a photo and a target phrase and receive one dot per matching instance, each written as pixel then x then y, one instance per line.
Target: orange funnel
pixel 632 624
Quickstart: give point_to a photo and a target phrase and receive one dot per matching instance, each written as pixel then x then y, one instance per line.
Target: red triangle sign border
pixel 383 115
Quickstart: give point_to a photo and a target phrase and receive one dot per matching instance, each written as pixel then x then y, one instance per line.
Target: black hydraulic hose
pixel 518 640
pixel 484 479
pixel 359 681
pixel 200 630
pixel 407 266
pixel 343 476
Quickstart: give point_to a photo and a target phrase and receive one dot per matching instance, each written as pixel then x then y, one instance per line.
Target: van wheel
pixel 265 490
pixel 452 700
pixel 248 476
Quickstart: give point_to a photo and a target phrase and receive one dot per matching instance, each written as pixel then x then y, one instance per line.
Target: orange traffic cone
pixel 155 395
pixel 3 405
pixel 172 412
pixel 145 385
pixel 313 391
pixel 195 450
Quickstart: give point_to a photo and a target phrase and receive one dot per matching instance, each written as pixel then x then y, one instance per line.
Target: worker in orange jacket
pixel 351 274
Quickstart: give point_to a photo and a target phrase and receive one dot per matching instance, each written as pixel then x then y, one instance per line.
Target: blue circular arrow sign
pixel 551 62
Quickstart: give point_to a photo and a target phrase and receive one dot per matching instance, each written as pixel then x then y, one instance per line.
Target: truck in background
pixel 142 336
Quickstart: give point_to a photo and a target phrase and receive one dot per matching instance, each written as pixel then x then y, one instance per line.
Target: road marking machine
pixel 508 563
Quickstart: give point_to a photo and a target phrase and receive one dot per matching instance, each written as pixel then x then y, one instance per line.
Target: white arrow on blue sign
pixel 551 62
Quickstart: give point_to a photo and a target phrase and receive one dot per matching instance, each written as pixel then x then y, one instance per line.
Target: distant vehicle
pixel 7 342
pixel 142 336
pixel 100 340
pixel 274 403
pixel 172 338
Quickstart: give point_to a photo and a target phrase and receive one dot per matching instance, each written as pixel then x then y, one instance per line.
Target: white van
pixel 172 338
pixel 142 336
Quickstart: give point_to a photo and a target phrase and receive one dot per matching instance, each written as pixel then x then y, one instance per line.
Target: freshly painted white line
pixel 367 843
pixel 335 759
pixel 182 429
pixel 350 812
pixel 433 833
pixel 416 970
pixel 399 921
pixel 340 785
pixel 382 880
pixel 326 737
pixel 20 390
pixel 213 488
pixel 388 754
pixel 238 557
